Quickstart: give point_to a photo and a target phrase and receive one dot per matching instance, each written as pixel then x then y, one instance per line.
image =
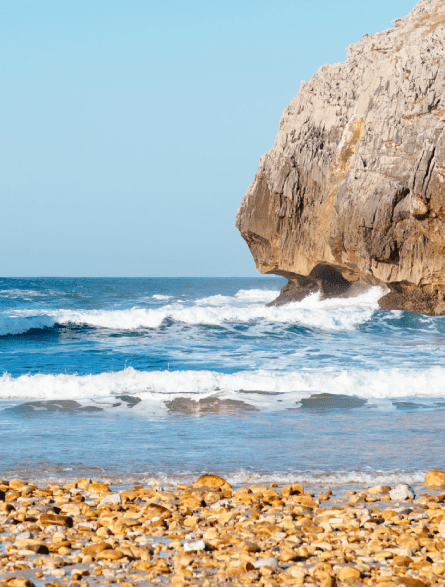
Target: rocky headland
pixel 352 193
pixel 85 533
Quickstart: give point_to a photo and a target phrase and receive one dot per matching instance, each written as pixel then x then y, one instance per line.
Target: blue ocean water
pixel 136 379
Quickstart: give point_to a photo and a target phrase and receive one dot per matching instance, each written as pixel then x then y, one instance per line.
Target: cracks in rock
pixel 428 173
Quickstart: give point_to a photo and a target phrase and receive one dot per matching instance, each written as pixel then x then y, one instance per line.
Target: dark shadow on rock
pixel 130 400
pixel 406 405
pixel 326 279
pixel 38 408
pixel 327 402
pixel 257 392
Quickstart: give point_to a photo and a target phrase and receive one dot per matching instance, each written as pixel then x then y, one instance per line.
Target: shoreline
pixel 209 533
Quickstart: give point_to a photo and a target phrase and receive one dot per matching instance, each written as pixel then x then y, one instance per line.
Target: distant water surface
pixel 138 379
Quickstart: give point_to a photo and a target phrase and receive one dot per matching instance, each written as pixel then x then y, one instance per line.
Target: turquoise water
pixel 137 379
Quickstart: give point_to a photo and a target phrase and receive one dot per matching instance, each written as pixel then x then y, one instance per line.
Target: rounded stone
pixel 213 481
pixel 346 573
pixel 435 479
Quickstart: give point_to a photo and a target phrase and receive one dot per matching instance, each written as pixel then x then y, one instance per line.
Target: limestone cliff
pixel 353 190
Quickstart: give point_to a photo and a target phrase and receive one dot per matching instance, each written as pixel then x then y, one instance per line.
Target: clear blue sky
pixel 130 130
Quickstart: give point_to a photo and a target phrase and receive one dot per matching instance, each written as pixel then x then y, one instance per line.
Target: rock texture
pixel 353 191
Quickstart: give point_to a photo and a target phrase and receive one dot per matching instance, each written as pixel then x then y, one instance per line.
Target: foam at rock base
pixel 312 312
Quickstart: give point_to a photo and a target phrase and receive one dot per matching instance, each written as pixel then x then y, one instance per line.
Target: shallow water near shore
pixel 162 379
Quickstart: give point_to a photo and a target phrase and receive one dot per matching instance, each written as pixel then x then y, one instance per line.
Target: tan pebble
pixel 20 582
pixel 55 519
pixel 432 479
pixel 161 566
pixel 16 484
pixel 213 481
pixel 380 489
pixel 110 555
pixel 192 502
pixel 185 561
pixel 257 488
pixel 143 566
pixel 287 555
pixel 407 541
pixel 103 531
pixel 305 500
pixel 383 555
pixel 402 561
pixel 98 487
pixel 302 552
pixel 390 515
pixel 143 553
pixel 438 569
pixel 11 496
pixel 83 483
pixel 411 582
pixel 191 522
pixel 248 546
pixel 94 549
pixel 155 509
pixel 347 573
pixel 71 509
pixel 127 552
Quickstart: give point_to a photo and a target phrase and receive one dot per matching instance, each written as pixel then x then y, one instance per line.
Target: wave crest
pixel 246 306
pixel 12 325
pixel 263 389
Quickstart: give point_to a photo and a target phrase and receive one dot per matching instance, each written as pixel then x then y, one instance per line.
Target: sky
pixel 130 130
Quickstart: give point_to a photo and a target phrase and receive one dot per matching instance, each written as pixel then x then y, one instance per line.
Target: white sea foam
pixel 21 293
pixel 217 300
pixel 160 297
pixel 283 390
pixel 257 295
pixel 312 312
pixel 327 477
pixel 341 479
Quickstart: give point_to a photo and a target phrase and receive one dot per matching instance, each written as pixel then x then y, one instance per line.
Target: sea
pixel 163 379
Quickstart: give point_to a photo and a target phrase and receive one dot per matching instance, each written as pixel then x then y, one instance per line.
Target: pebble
pixel 113 498
pixel 205 535
pixel 194 546
pixel 402 492
pixel 266 562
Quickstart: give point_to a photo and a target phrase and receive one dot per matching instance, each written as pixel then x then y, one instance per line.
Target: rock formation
pixel 353 191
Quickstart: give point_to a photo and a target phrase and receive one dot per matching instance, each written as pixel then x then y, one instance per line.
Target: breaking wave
pixel 265 390
pixel 246 306
pixel 21 324
pixel 236 478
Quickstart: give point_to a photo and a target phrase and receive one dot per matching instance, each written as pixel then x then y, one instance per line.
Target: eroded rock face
pixel 353 191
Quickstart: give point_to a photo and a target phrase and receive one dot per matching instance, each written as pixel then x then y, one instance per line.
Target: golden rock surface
pixel 435 479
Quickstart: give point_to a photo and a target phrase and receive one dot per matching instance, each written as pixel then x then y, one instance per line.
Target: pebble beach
pixel 210 533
